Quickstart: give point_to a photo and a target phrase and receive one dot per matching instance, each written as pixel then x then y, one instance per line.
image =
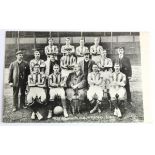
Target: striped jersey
pixel 95 78
pixel 118 77
pixel 56 79
pixel 68 60
pixel 65 48
pixel 35 78
pixel 96 50
pixel 51 49
pixel 104 62
pixel 81 50
pixel 34 62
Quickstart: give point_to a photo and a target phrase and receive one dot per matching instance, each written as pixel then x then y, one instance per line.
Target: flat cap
pixel 19 52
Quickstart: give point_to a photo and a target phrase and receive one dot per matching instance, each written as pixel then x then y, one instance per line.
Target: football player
pixel 95 50
pixel 56 84
pixel 67 63
pixel 80 50
pixel 67 47
pixel 51 49
pixel 95 92
pixel 36 60
pixel 36 97
pixel 117 89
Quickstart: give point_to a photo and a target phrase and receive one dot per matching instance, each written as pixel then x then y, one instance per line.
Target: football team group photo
pixel 72 77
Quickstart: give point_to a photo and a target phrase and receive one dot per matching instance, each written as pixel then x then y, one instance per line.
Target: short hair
pixel 121 48
pixel 36 51
pixel 82 39
pixel 56 65
pixel 95 64
pixel 97 38
pixel 116 64
pixel 67 38
pixel 50 39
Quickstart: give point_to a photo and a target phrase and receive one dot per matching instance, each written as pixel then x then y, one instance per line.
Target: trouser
pixel 127 86
pixel 22 96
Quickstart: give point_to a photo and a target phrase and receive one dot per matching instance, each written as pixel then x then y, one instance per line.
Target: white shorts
pixel 57 91
pixel 36 91
pixel 121 91
pixel 95 91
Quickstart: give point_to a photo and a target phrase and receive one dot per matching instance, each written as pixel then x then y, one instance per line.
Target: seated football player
pixel 67 47
pixel 117 90
pixel 95 92
pixel 67 63
pixel 36 97
pixel 80 51
pixel 95 50
pixel 56 84
pixel 76 87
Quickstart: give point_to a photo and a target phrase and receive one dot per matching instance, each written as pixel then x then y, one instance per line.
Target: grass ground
pixel 132 114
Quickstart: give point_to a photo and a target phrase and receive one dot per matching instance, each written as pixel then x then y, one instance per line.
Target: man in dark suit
pixel 18 76
pixel 86 64
pixel 125 67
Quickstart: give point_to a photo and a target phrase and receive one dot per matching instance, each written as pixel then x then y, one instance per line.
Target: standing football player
pixel 95 50
pixel 80 50
pixel 51 49
pixel 67 47
pixel 67 63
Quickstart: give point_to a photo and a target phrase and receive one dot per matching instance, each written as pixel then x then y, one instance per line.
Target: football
pixel 58 110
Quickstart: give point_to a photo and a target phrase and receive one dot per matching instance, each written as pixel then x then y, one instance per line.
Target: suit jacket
pixel 14 73
pixel 90 64
pixel 125 65
pixel 76 79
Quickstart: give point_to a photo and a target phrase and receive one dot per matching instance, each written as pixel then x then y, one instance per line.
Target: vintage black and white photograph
pixel 72 76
